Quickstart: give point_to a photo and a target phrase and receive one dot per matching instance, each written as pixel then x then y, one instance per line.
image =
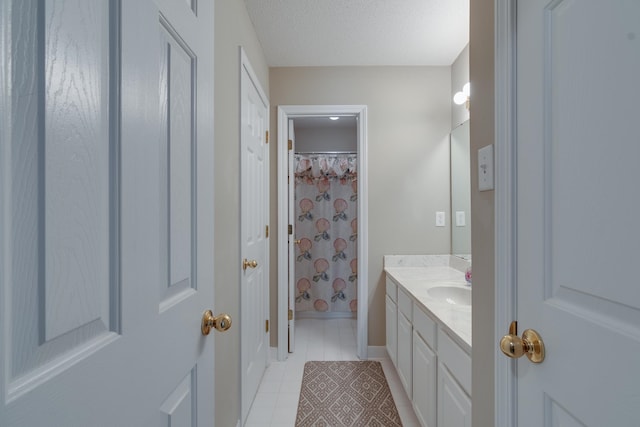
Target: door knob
pixel 530 344
pixel 297 241
pixel 220 323
pixel 251 264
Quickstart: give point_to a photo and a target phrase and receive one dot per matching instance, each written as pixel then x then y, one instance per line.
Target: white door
pixel 292 240
pixel 254 190
pixel 106 211
pixel 578 239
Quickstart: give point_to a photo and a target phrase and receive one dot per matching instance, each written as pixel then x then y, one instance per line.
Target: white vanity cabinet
pixel 405 342
pixel 433 367
pixel 392 321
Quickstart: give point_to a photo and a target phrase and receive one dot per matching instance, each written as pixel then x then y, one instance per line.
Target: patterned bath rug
pixel 345 394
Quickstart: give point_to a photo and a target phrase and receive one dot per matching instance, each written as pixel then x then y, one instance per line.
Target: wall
pixel 311 139
pixel 409 119
pixel 481 63
pixel 459 76
pixel 232 29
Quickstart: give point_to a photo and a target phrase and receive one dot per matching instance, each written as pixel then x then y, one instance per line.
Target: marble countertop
pixel 416 277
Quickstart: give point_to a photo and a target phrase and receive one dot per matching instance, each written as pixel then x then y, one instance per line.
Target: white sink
pixel 453 295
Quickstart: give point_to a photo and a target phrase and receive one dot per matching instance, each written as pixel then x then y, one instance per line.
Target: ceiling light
pixel 463 97
pixel 334 118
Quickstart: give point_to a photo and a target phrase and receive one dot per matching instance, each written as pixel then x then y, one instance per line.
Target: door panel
pixel 254 243
pixel 576 164
pixel 99 184
pixel 74 195
pixel 177 162
pixel 178 408
pixel 61 211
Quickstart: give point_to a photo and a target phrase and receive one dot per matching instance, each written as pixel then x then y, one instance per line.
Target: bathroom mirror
pixel 460 192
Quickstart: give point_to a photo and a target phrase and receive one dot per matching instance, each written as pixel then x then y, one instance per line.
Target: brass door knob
pixel 220 323
pixel 530 344
pixel 297 241
pixel 250 264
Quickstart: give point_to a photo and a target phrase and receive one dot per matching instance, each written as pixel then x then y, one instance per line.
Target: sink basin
pixel 453 295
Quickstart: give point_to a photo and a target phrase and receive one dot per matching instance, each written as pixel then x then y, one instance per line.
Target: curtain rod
pixel 325 152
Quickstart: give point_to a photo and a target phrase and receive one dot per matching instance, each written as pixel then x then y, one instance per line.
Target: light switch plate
pixel 485 168
pixel 440 219
pixel 460 219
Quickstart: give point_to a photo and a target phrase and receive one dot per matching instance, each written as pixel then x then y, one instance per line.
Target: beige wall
pixel 409 119
pixel 481 59
pixel 232 29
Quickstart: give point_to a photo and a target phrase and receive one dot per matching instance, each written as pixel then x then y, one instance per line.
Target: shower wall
pixel 323 139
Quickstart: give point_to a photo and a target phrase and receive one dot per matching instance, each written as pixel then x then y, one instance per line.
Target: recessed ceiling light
pixel 334 118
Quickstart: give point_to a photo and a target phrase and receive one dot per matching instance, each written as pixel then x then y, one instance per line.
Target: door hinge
pixel 266 233
pixel 290 145
pixel 266 325
pixel 266 137
pixel 290 314
pixel 290 229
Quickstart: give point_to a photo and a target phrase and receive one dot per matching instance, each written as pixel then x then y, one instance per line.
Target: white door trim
pixel 505 208
pixel 285 112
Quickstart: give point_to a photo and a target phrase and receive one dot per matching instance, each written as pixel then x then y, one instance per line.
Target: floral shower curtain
pixel 326 270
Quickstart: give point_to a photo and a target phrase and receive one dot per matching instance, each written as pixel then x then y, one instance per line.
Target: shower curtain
pixel 326 269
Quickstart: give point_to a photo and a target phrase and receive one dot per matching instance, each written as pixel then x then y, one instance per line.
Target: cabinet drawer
pixel 405 304
pixel 425 326
pixel 392 289
pixel 456 360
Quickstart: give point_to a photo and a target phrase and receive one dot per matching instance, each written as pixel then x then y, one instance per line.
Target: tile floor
pixel 276 402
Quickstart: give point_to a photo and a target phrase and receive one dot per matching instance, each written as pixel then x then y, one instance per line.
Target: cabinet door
pixel 405 353
pixel 424 382
pixel 392 330
pixel 454 406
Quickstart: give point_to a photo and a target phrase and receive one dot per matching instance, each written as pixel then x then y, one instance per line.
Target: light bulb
pixel 466 89
pixel 459 98
pixel 334 118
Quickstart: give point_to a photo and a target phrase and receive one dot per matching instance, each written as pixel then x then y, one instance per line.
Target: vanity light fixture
pixel 463 97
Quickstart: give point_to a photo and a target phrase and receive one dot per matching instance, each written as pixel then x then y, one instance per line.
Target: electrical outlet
pixel 440 219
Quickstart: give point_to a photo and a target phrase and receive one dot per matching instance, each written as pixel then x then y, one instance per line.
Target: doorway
pixel 286 319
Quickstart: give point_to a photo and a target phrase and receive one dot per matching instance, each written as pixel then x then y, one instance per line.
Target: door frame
pixel 505 207
pixel 286 112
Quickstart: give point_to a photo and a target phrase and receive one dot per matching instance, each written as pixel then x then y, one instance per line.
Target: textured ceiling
pixel 360 32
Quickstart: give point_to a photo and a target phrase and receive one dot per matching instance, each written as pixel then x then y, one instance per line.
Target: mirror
pixel 460 192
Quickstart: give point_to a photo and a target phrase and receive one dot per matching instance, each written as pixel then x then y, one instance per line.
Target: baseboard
pixel 377 352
